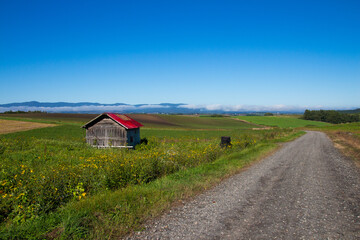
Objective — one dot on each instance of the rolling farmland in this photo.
(282, 121)
(52, 181)
(47, 169)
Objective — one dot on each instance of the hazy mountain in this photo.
(56, 104)
(166, 108)
(93, 107)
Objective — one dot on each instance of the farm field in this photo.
(54, 118)
(345, 127)
(8, 126)
(206, 122)
(49, 169)
(281, 121)
(148, 120)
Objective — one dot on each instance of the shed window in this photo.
(131, 138)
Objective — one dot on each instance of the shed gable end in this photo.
(106, 133)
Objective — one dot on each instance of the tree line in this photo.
(330, 116)
(13, 112)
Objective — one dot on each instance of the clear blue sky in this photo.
(298, 53)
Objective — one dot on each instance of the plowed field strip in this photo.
(9, 126)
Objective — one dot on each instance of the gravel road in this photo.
(306, 190)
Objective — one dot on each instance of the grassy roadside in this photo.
(112, 214)
(346, 138)
(348, 143)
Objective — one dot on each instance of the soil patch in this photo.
(150, 119)
(9, 126)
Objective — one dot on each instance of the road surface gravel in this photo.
(306, 190)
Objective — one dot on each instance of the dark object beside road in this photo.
(225, 142)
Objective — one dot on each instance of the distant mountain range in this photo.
(165, 108)
(80, 104)
(93, 107)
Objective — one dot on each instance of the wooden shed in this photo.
(113, 130)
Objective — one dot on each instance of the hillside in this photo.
(148, 120)
(281, 121)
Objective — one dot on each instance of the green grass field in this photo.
(350, 127)
(282, 121)
(53, 184)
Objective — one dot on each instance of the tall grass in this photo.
(51, 182)
(113, 213)
(41, 173)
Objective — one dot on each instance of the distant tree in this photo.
(268, 114)
(307, 114)
(330, 116)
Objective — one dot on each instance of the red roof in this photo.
(124, 120)
(121, 119)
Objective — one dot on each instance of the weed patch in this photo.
(53, 184)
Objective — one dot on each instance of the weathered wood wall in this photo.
(106, 133)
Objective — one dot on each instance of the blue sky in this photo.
(264, 53)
